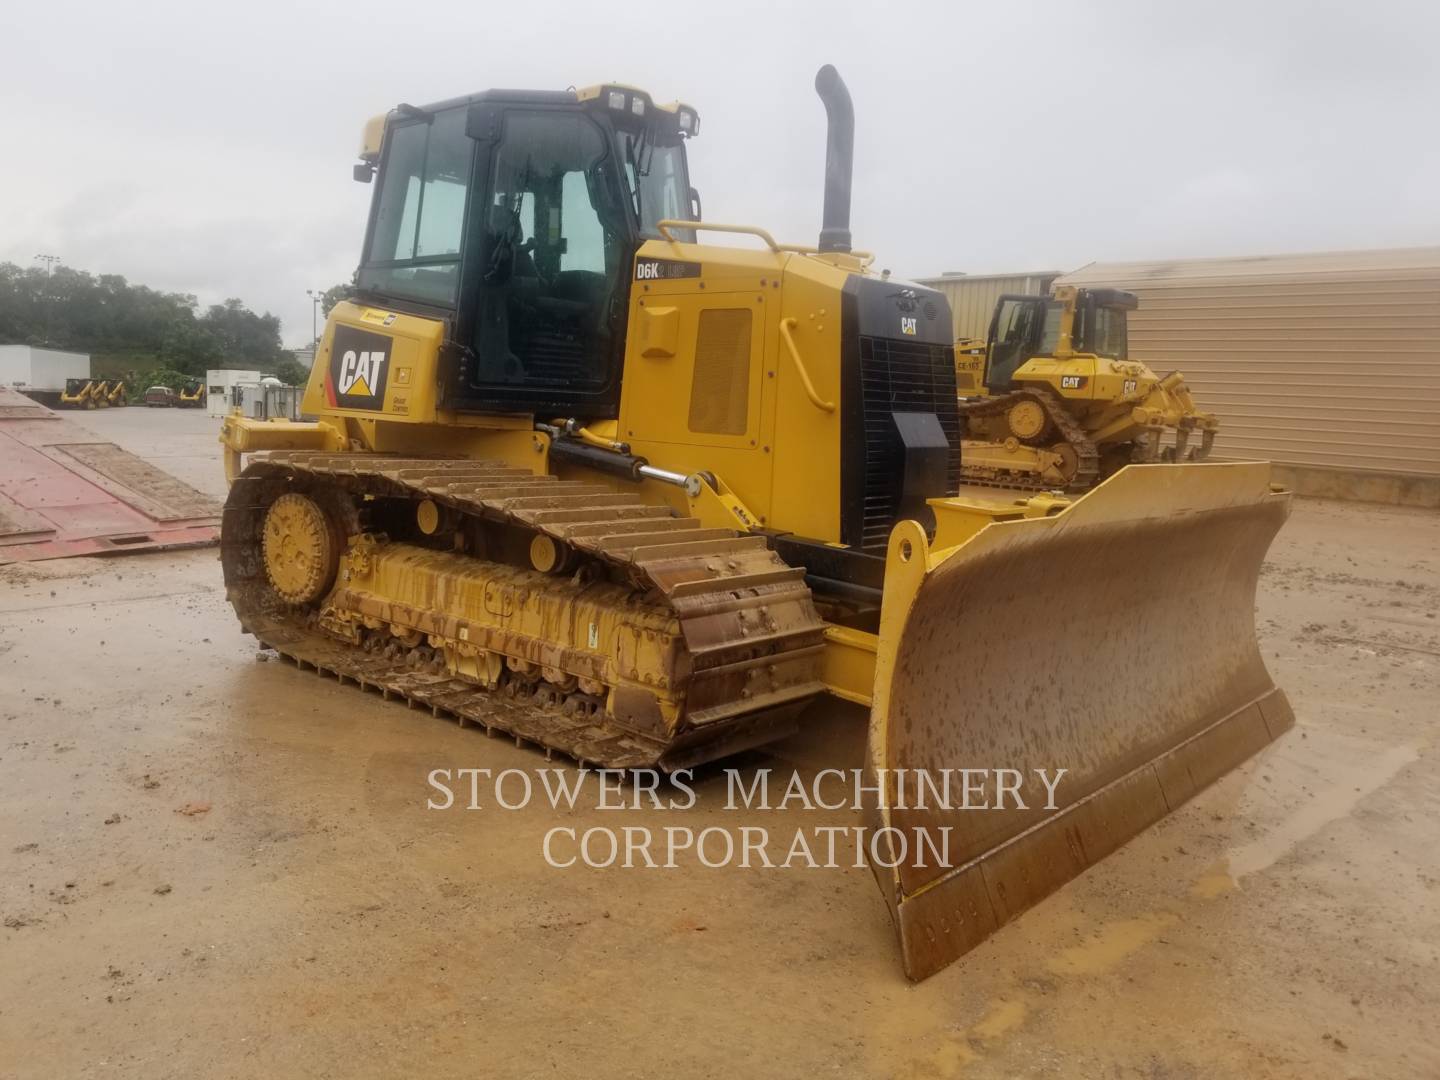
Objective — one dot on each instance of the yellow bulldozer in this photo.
(1052, 400)
(191, 396)
(577, 477)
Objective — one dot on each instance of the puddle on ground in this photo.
(1350, 782)
(1112, 944)
(1003, 1018)
(957, 1050)
(1216, 883)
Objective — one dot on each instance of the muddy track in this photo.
(751, 637)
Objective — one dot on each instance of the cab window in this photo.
(658, 183)
(1107, 333)
(1017, 330)
(1050, 330)
(415, 240)
(552, 256)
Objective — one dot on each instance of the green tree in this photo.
(138, 383)
(132, 327)
(333, 296)
(245, 338)
(290, 371)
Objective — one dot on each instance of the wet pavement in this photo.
(211, 865)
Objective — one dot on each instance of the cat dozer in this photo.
(581, 479)
(1052, 401)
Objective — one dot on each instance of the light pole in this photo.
(317, 297)
(49, 261)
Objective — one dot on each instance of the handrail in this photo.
(865, 257)
(786, 325)
(754, 230)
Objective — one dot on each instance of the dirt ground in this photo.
(213, 866)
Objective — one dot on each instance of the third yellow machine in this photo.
(580, 478)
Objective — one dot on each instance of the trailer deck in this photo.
(65, 492)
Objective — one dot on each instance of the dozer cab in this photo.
(641, 500)
(1052, 400)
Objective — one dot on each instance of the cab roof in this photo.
(374, 131)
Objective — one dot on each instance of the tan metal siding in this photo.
(1321, 360)
(972, 297)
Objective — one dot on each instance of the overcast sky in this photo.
(206, 147)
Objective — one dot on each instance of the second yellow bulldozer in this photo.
(578, 477)
(1052, 399)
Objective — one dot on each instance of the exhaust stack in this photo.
(839, 158)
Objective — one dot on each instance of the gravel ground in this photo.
(213, 866)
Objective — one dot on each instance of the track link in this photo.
(751, 635)
(1087, 469)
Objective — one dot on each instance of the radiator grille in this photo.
(720, 386)
(901, 376)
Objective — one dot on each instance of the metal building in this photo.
(1327, 364)
(972, 296)
(220, 384)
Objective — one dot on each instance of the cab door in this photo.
(553, 245)
(1015, 334)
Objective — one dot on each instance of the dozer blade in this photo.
(1114, 640)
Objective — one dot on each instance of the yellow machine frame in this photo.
(949, 631)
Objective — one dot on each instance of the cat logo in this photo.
(1128, 388)
(909, 325)
(1071, 382)
(359, 373)
(359, 367)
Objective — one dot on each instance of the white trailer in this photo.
(220, 384)
(40, 373)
